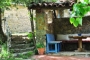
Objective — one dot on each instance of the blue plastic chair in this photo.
(52, 45)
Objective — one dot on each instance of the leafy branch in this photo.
(80, 9)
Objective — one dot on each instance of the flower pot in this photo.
(41, 51)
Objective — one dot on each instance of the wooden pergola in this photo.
(41, 16)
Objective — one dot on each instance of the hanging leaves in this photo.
(72, 20)
(76, 21)
(79, 10)
(85, 1)
(79, 20)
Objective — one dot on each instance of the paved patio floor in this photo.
(48, 57)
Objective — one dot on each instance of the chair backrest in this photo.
(50, 37)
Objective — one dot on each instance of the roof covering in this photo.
(51, 5)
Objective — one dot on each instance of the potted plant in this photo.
(40, 48)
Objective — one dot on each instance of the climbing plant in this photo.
(79, 10)
(3, 38)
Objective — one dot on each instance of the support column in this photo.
(40, 26)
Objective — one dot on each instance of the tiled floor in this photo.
(48, 57)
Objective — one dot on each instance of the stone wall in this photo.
(63, 26)
(18, 19)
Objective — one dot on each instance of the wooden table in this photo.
(79, 41)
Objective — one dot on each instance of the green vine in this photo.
(80, 9)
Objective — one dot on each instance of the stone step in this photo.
(20, 46)
(21, 50)
(17, 54)
(21, 37)
(20, 41)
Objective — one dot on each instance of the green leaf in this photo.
(75, 23)
(30, 35)
(79, 20)
(75, 7)
(82, 11)
(84, 1)
(87, 1)
(72, 20)
(34, 18)
(79, 11)
(88, 8)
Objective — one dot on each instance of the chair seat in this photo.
(54, 41)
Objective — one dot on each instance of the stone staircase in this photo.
(16, 43)
(21, 44)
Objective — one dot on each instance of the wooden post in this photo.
(80, 44)
(32, 26)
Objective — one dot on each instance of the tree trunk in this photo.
(3, 37)
(32, 27)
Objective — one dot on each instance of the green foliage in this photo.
(72, 20)
(40, 45)
(5, 3)
(76, 21)
(79, 20)
(24, 2)
(30, 53)
(53, 0)
(5, 54)
(27, 55)
(85, 1)
(10, 58)
(30, 35)
(34, 18)
(79, 11)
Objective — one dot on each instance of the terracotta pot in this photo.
(41, 51)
